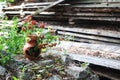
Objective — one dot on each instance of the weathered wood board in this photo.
(88, 34)
(109, 63)
(100, 47)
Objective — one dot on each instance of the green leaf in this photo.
(10, 0)
(36, 68)
(44, 50)
(14, 78)
(1, 0)
(85, 65)
(6, 18)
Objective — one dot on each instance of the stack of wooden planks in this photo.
(100, 10)
(88, 35)
(87, 12)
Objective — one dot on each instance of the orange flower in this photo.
(34, 37)
(42, 25)
(23, 29)
(29, 17)
(25, 21)
(29, 27)
(61, 39)
(40, 45)
(42, 36)
(34, 22)
(54, 44)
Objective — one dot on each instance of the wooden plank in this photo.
(45, 8)
(91, 46)
(91, 41)
(113, 0)
(12, 12)
(86, 1)
(114, 5)
(85, 14)
(115, 19)
(35, 12)
(38, 4)
(28, 12)
(93, 1)
(87, 18)
(99, 10)
(19, 7)
(97, 5)
(106, 72)
(29, 5)
(114, 34)
(51, 5)
(74, 17)
(109, 63)
(91, 14)
(117, 51)
(114, 64)
(89, 37)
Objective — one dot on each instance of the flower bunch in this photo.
(38, 34)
